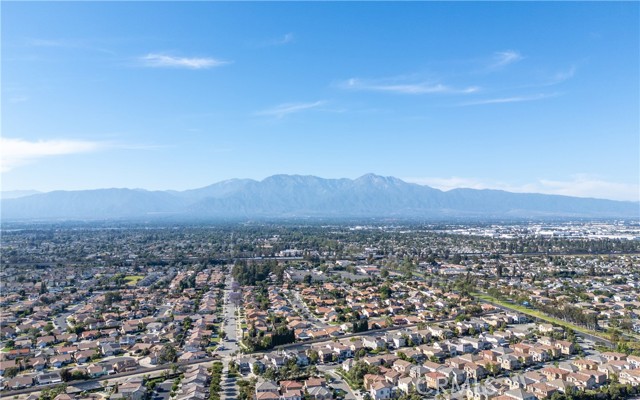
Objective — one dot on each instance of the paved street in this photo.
(61, 320)
(230, 344)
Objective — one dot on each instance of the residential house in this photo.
(374, 343)
(266, 386)
(436, 380)
(61, 360)
(542, 390)
(508, 362)
(582, 380)
(133, 390)
(630, 376)
(520, 394)
(565, 347)
(319, 393)
(49, 377)
(19, 382)
(381, 390)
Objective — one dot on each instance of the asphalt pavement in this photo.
(230, 344)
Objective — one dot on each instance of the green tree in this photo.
(48, 327)
(313, 356)
(167, 354)
(65, 374)
(10, 372)
(385, 291)
(307, 279)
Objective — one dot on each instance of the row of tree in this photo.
(216, 378)
(570, 313)
(250, 274)
(257, 340)
(361, 325)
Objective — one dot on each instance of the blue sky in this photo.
(534, 97)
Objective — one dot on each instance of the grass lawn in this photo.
(133, 280)
(541, 315)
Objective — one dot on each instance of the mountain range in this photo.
(295, 196)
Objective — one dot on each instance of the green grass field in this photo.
(133, 280)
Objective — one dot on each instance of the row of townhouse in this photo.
(194, 384)
(440, 365)
(311, 388)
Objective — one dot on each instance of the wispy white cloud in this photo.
(283, 110)
(157, 60)
(512, 99)
(274, 41)
(579, 185)
(16, 152)
(501, 59)
(547, 79)
(18, 99)
(583, 185)
(562, 76)
(285, 39)
(453, 182)
(406, 88)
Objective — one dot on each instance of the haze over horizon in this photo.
(443, 187)
(179, 96)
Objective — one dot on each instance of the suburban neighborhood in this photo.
(363, 313)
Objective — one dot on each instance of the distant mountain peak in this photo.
(380, 180)
(284, 196)
(374, 177)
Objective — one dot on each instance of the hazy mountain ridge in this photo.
(14, 194)
(282, 196)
